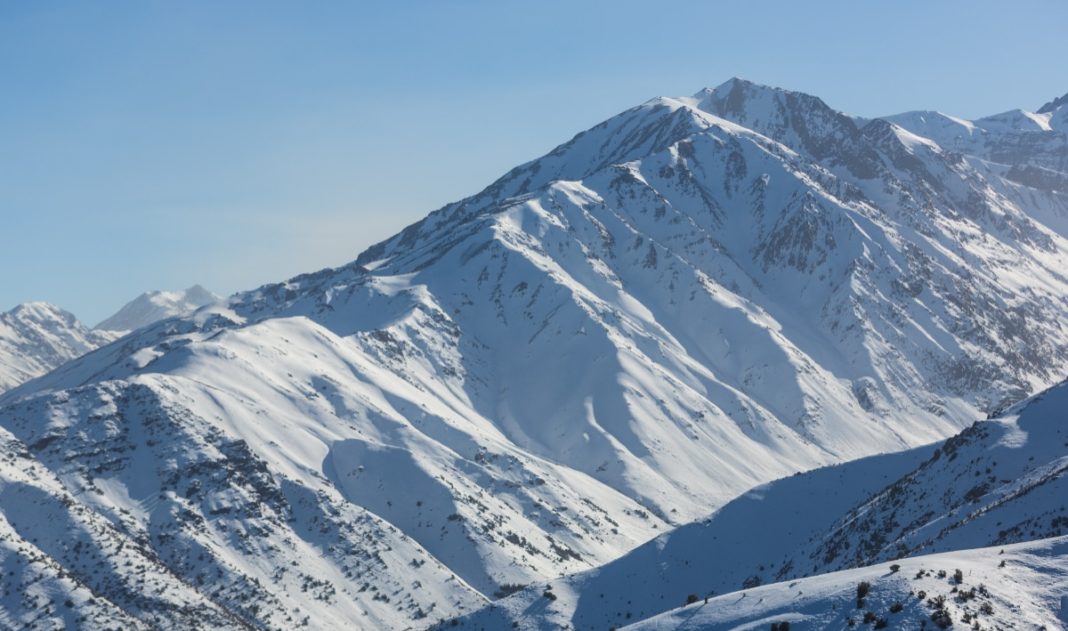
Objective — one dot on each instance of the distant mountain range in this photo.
(37, 337)
(602, 348)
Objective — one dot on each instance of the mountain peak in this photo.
(1053, 105)
(40, 311)
(153, 306)
(36, 337)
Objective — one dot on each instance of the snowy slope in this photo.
(36, 337)
(1000, 481)
(123, 491)
(1010, 587)
(153, 306)
(696, 296)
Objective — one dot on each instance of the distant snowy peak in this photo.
(1026, 148)
(36, 337)
(154, 306)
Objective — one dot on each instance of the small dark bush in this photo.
(941, 619)
(692, 598)
(958, 577)
(869, 617)
(894, 568)
(896, 607)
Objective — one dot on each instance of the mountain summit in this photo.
(694, 297)
(153, 306)
(36, 337)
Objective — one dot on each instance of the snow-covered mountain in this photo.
(1024, 154)
(36, 337)
(696, 296)
(154, 306)
(999, 482)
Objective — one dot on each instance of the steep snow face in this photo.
(1011, 587)
(154, 306)
(696, 296)
(36, 337)
(999, 482)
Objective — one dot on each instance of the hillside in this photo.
(1001, 481)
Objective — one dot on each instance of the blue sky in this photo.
(155, 144)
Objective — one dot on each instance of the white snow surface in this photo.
(697, 296)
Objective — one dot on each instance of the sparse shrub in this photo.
(692, 598)
(548, 594)
(507, 589)
(894, 568)
(958, 577)
(942, 619)
(881, 623)
(862, 590)
(896, 607)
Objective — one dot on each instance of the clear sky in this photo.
(154, 145)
